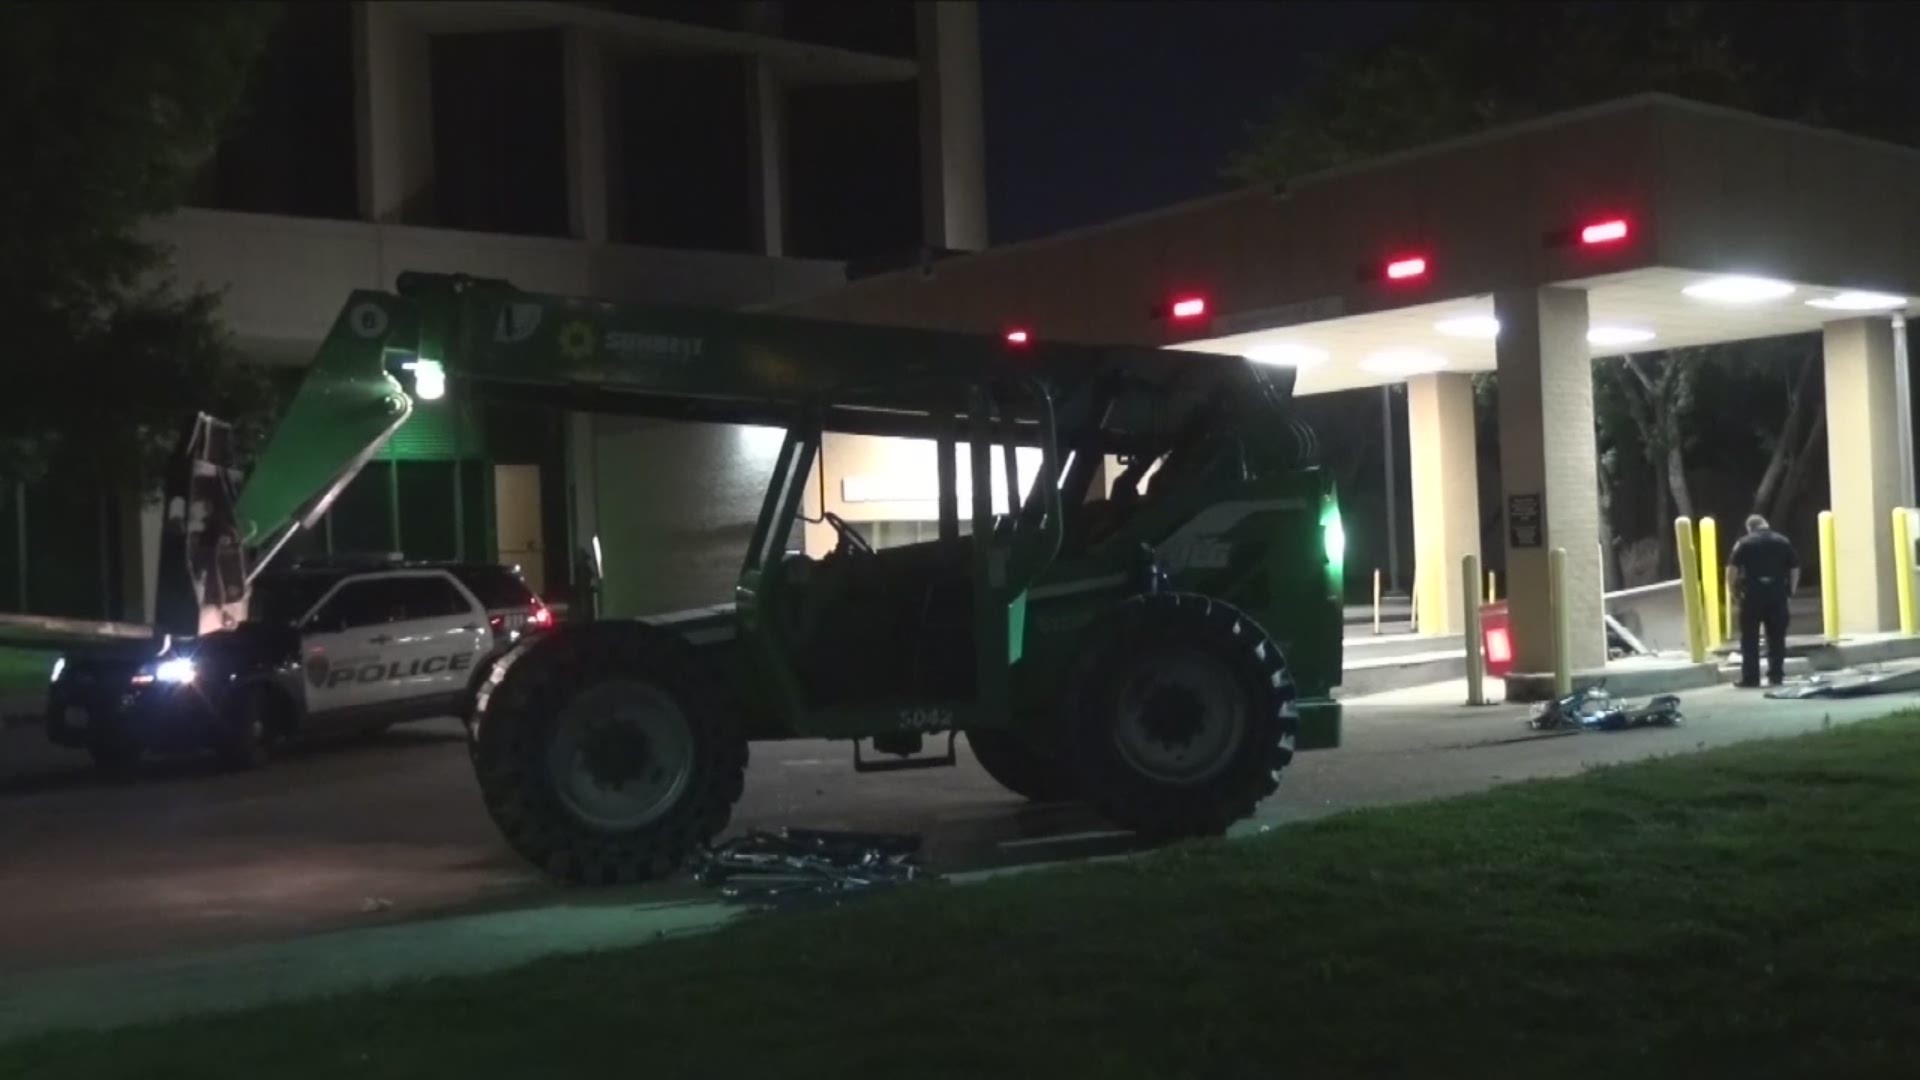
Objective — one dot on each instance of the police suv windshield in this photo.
(283, 598)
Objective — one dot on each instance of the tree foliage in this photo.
(1458, 68)
(111, 111)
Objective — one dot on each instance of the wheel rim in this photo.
(1180, 719)
(257, 719)
(249, 734)
(622, 755)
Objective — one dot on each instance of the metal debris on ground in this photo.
(791, 868)
(1594, 709)
(1848, 684)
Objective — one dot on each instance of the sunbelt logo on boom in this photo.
(578, 343)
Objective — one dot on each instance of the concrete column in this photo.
(140, 527)
(1446, 493)
(585, 68)
(766, 159)
(952, 146)
(1863, 463)
(1549, 477)
(393, 115)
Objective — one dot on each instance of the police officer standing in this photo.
(1762, 574)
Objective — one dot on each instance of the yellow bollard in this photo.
(1690, 588)
(1829, 579)
(1562, 646)
(1470, 628)
(1710, 591)
(1376, 601)
(1903, 566)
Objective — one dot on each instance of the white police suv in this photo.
(339, 646)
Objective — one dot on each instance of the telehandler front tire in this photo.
(244, 740)
(607, 753)
(1022, 769)
(1183, 716)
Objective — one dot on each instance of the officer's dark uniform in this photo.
(1766, 561)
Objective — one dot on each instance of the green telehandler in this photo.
(1156, 643)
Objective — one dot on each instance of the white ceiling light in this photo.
(1860, 301)
(1617, 335)
(1738, 290)
(1403, 362)
(1469, 326)
(1287, 355)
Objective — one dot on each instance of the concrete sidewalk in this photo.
(112, 995)
(1403, 746)
(221, 980)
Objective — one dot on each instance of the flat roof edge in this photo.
(1649, 101)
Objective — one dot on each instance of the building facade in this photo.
(715, 154)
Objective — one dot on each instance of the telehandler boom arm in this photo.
(484, 337)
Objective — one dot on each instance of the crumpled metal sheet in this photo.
(1594, 709)
(1847, 684)
(793, 868)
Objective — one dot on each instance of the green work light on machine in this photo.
(1333, 536)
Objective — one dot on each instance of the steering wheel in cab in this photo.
(847, 540)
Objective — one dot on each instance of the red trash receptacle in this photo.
(1496, 639)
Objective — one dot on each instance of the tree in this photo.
(1457, 68)
(1460, 68)
(1766, 421)
(1791, 456)
(112, 109)
(1660, 400)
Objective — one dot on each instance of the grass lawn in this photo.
(1751, 911)
(23, 672)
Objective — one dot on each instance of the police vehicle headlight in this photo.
(177, 671)
(59, 665)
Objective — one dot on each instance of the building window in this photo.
(680, 154)
(290, 148)
(882, 27)
(499, 133)
(853, 171)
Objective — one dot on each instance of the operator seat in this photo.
(797, 610)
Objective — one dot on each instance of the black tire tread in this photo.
(115, 759)
(1019, 768)
(1156, 809)
(513, 720)
(247, 727)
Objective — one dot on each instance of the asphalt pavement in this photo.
(354, 840)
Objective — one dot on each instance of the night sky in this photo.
(1098, 110)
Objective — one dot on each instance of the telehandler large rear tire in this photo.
(1183, 716)
(1021, 768)
(606, 753)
